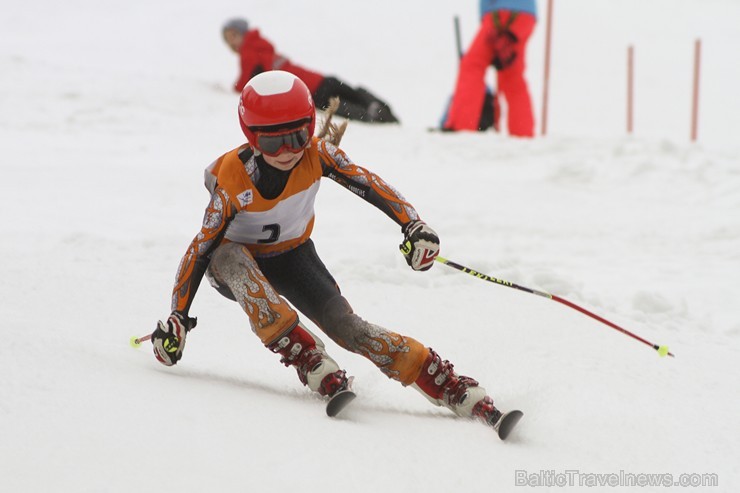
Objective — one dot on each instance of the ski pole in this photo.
(662, 350)
(457, 38)
(136, 341)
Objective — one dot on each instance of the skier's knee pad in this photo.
(234, 271)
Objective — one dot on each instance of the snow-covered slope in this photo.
(110, 111)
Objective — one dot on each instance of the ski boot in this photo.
(462, 395)
(316, 369)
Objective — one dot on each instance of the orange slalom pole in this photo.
(695, 98)
(630, 87)
(546, 81)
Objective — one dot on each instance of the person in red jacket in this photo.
(258, 55)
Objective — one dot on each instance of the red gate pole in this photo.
(630, 87)
(546, 82)
(695, 99)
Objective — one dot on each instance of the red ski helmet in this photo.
(273, 101)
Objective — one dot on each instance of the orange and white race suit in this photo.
(237, 212)
(273, 223)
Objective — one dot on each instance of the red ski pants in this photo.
(467, 101)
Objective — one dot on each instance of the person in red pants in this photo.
(501, 41)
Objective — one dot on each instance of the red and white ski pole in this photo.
(662, 350)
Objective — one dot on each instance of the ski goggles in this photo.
(274, 143)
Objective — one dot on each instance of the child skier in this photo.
(255, 248)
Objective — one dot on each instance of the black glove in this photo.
(168, 339)
(420, 245)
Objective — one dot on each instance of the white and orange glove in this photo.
(420, 245)
(168, 339)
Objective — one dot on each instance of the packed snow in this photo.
(110, 111)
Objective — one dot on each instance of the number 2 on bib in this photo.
(274, 230)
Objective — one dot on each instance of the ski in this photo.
(339, 401)
(507, 423)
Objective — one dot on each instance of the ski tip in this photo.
(338, 402)
(507, 423)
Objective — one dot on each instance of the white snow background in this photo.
(110, 111)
